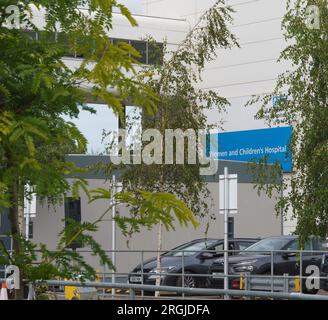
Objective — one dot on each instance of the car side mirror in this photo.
(287, 255)
(207, 255)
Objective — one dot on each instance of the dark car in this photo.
(256, 260)
(324, 271)
(196, 258)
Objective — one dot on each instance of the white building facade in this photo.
(239, 73)
(236, 74)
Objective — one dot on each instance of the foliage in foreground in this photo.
(36, 262)
(303, 105)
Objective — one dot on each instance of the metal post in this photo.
(104, 280)
(27, 219)
(301, 272)
(226, 242)
(247, 283)
(183, 274)
(142, 272)
(272, 271)
(27, 223)
(282, 227)
(113, 230)
(286, 283)
(132, 294)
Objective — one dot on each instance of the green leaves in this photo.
(100, 193)
(150, 208)
(37, 262)
(5, 125)
(305, 108)
(175, 79)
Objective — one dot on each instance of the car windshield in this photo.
(189, 249)
(266, 245)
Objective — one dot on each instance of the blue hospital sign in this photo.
(253, 145)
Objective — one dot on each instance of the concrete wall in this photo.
(256, 218)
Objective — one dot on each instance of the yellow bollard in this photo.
(241, 282)
(97, 275)
(297, 284)
(71, 292)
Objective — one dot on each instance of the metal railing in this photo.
(270, 285)
(189, 291)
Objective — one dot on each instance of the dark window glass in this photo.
(63, 41)
(85, 45)
(115, 41)
(191, 248)
(155, 53)
(244, 245)
(73, 212)
(265, 246)
(46, 36)
(30, 34)
(141, 47)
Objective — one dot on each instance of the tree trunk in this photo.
(159, 248)
(14, 218)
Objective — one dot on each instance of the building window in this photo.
(63, 41)
(151, 53)
(155, 53)
(31, 35)
(73, 212)
(47, 36)
(141, 47)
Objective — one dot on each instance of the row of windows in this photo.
(150, 53)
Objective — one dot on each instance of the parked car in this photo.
(256, 260)
(198, 255)
(324, 272)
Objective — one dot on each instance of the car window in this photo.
(293, 246)
(189, 249)
(311, 245)
(319, 245)
(219, 248)
(265, 246)
(244, 245)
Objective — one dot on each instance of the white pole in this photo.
(27, 219)
(113, 230)
(27, 223)
(226, 241)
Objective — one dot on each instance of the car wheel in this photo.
(189, 281)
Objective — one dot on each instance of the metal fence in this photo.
(133, 288)
(244, 284)
(297, 279)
